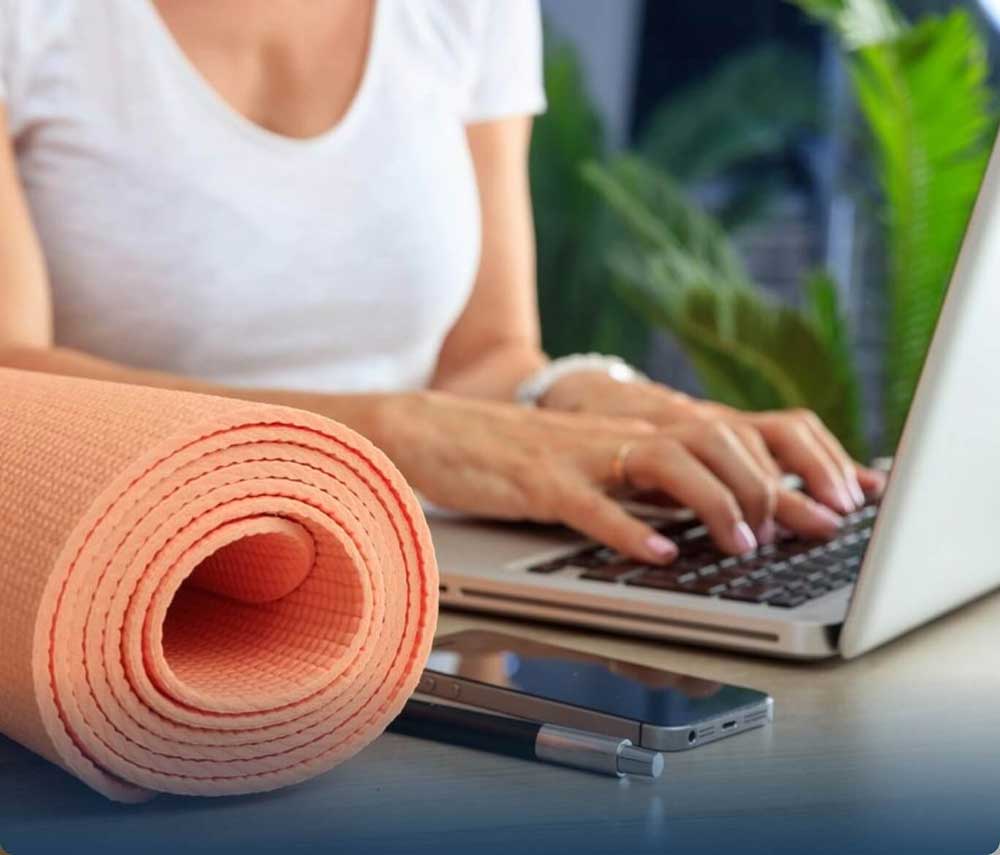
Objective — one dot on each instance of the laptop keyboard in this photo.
(784, 574)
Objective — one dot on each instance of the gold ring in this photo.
(619, 477)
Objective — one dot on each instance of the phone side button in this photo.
(427, 684)
(456, 690)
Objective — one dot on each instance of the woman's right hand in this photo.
(504, 461)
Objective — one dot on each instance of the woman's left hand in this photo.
(793, 441)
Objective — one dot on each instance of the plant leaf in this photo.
(859, 22)
(822, 305)
(748, 350)
(579, 309)
(927, 103)
(750, 107)
(654, 211)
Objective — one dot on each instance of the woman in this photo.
(325, 204)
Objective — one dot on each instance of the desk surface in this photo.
(898, 752)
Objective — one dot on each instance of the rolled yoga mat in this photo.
(200, 595)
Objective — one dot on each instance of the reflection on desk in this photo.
(897, 752)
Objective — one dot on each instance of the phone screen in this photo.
(636, 692)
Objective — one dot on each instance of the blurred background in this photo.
(762, 200)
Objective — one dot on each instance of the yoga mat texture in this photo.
(200, 595)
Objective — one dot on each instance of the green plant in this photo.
(675, 265)
(923, 94)
(748, 113)
(578, 308)
(923, 91)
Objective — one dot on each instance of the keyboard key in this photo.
(587, 558)
(660, 581)
(667, 582)
(788, 600)
(754, 593)
(612, 572)
(837, 581)
(695, 533)
(814, 591)
(733, 571)
(549, 566)
(686, 565)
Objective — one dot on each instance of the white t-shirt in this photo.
(181, 236)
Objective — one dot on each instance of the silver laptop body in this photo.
(935, 544)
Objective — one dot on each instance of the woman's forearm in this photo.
(494, 375)
(360, 412)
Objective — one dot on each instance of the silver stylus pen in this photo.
(529, 740)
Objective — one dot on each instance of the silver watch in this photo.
(535, 387)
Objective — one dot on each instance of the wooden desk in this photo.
(898, 752)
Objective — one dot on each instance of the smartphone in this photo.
(656, 709)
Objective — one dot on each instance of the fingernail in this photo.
(879, 481)
(856, 492)
(826, 517)
(744, 537)
(842, 500)
(661, 548)
(766, 532)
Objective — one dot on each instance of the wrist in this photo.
(537, 386)
(578, 392)
(596, 393)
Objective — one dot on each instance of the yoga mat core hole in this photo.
(259, 568)
(257, 622)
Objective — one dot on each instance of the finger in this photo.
(581, 506)
(806, 517)
(799, 451)
(839, 456)
(717, 446)
(668, 466)
(754, 442)
(872, 481)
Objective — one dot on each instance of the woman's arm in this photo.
(26, 320)
(481, 457)
(496, 342)
(25, 310)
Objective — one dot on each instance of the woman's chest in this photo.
(191, 228)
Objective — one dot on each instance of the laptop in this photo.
(930, 546)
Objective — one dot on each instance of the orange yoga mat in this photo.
(200, 595)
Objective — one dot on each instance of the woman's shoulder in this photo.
(461, 29)
(19, 18)
(27, 26)
(489, 49)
